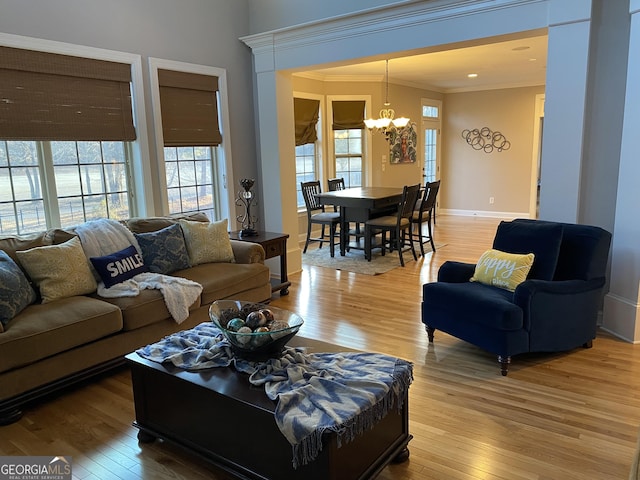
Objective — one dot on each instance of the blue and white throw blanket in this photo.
(346, 393)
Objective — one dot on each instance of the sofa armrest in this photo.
(559, 314)
(455, 272)
(247, 252)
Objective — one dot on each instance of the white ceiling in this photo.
(502, 64)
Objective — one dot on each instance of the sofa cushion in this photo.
(543, 239)
(502, 270)
(221, 280)
(59, 271)
(164, 251)
(152, 224)
(12, 244)
(119, 266)
(473, 302)
(207, 242)
(15, 290)
(40, 331)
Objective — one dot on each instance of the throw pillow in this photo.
(503, 270)
(15, 290)
(164, 251)
(207, 242)
(119, 266)
(59, 271)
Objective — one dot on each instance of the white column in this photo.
(565, 103)
(621, 306)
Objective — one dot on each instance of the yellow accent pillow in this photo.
(59, 271)
(503, 270)
(207, 242)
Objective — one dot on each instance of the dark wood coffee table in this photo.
(217, 414)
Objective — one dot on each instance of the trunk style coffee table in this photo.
(217, 414)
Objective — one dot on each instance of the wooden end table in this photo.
(274, 245)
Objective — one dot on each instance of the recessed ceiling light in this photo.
(472, 75)
(517, 49)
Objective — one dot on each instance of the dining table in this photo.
(359, 204)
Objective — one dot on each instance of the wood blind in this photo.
(306, 113)
(189, 107)
(348, 114)
(47, 96)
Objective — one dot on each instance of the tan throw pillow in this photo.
(207, 242)
(503, 270)
(59, 271)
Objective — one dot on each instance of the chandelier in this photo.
(386, 118)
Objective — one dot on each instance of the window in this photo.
(305, 168)
(61, 183)
(66, 139)
(431, 129)
(348, 152)
(190, 123)
(190, 179)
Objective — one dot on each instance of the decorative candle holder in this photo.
(246, 199)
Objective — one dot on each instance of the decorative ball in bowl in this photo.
(254, 330)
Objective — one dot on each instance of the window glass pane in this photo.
(4, 160)
(95, 206)
(8, 225)
(203, 173)
(26, 183)
(30, 216)
(202, 153)
(67, 181)
(187, 174)
(89, 152)
(185, 153)
(6, 195)
(71, 211)
(116, 177)
(171, 169)
(170, 153)
(342, 146)
(64, 153)
(92, 179)
(174, 200)
(118, 205)
(430, 111)
(22, 153)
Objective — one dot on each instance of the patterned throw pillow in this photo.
(207, 242)
(164, 251)
(503, 270)
(119, 266)
(15, 290)
(59, 271)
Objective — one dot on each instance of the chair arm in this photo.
(559, 314)
(455, 272)
(247, 252)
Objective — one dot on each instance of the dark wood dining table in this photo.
(359, 205)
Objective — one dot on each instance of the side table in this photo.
(274, 244)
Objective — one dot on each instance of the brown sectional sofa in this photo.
(49, 346)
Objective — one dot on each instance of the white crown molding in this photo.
(370, 22)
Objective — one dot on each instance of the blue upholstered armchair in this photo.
(554, 309)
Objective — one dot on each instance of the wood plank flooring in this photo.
(555, 416)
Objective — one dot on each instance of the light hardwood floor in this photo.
(555, 416)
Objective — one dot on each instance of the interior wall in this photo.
(269, 15)
(470, 177)
(192, 31)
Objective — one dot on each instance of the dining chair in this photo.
(424, 213)
(316, 215)
(356, 231)
(398, 225)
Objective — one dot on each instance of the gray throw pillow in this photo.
(164, 251)
(16, 292)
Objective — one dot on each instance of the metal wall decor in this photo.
(486, 140)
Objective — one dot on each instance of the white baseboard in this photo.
(482, 213)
